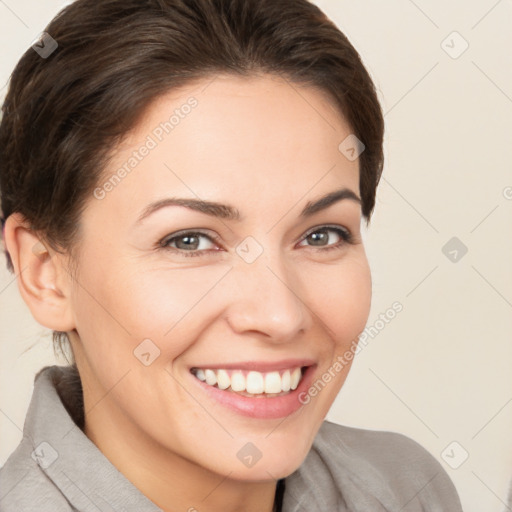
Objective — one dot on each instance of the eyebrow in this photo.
(228, 212)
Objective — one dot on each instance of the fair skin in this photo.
(263, 148)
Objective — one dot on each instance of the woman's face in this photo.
(253, 287)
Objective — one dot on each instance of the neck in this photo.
(167, 479)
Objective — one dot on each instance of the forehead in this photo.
(236, 135)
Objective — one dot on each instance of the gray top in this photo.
(56, 468)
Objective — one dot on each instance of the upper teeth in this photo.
(252, 382)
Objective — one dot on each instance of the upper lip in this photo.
(260, 366)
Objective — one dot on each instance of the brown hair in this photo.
(63, 114)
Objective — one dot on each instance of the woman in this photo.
(183, 183)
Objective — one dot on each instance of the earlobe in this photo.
(43, 282)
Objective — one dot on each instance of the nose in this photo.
(268, 299)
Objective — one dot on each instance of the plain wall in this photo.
(440, 370)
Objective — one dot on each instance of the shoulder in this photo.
(383, 449)
(387, 467)
(24, 487)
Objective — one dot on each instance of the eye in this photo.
(187, 243)
(196, 243)
(319, 237)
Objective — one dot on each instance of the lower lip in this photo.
(261, 407)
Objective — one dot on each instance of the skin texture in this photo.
(266, 147)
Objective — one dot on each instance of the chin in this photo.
(265, 470)
(270, 461)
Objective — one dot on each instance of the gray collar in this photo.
(76, 466)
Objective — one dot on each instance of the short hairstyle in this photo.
(63, 114)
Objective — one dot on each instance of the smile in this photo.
(251, 383)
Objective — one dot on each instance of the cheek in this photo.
(342, 298)
(162, 301)
(132, 302)
(172, 306)
(159, 301)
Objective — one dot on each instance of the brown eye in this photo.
(319, 237)
(187, 243)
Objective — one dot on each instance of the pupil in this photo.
(187, 240)
(317, 237)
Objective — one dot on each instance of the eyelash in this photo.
(345, 235)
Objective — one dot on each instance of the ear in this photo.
(43, 279)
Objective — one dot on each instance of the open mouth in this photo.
(252, 383)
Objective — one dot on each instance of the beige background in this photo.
(440, 371)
